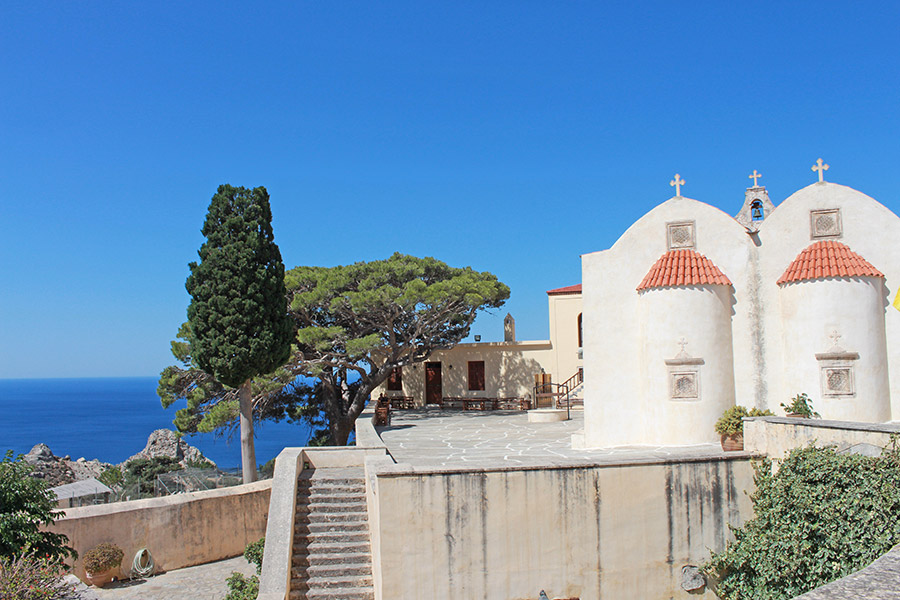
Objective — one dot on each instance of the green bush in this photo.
(26, 504)
(102, 557)
(247, 588)
(28, 577)
(822, 516)
(142, 472)
(111, 477)
(801, 405)
(731, 421)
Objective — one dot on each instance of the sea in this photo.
(110, 419)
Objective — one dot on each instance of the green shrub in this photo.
(28, 577)
(242, 588)
(821, 517)
(731, 421)
(254, 553)
(111, 477)
(247, 588)
(26, 504)
(142, 472)
(801, 405)
(102, 557)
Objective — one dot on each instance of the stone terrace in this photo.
(435, 438)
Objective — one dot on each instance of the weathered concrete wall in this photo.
(179, 531)
(776, 436)
(577, 530)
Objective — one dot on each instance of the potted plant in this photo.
(800, 407)
(101, 563)
(731, 426)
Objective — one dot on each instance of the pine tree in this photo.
(239, 323)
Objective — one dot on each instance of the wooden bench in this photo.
(402, 402)
(450, 403)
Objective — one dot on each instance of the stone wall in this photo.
(776, 436)
(179, 531)
(578, 530)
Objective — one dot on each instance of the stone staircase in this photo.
(332, 557)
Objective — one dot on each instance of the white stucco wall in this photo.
(775, 330)
(701, 315)
(855, 308)
(613, 341)
(870, 230)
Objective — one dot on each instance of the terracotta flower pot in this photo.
(100, 579)
(733, 442)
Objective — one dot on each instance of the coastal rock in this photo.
(164, 442)
(48, 467)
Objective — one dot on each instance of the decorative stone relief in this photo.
(825, 224)
(680, 235)
(836, 368)
(684, 375)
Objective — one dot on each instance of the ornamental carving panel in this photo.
(838, 381)
(680, 235)
(685, 385)
(825, 224)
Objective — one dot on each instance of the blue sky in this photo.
(509, 136)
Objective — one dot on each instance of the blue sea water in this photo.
(111, 418)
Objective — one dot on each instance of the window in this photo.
(395, 380)
(476, 375)
(579, 331)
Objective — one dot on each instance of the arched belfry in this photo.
(757, 205)
(509, 328)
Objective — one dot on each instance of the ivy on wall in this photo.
(823, 516)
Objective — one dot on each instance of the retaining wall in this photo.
(179, 531)
(621, 530)
(776, 436)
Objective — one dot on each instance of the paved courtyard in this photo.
(203, 582)
(435, 438)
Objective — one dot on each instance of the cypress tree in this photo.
(239, 322)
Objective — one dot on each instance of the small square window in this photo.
(838, 381)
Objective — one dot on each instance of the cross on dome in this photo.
(821, 167)
(754, 176)
(677, 183)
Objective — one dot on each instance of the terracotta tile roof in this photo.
(683, 267)
(828, 259)
(571, 289)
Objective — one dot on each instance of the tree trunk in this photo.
(248, 451)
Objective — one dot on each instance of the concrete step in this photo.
(334, 594)
(329, 537)
(330, 571)
(337, 517)
(330, 497)
(331, 526)
(350, 482)
(331, 507)
(332, 558)
(324, 583)
(304, 549)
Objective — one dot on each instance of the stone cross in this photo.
(821, 167)
(754, 177)
(835, 336)
(682, 342)
(677, 182)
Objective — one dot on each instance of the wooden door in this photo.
(433, 391)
